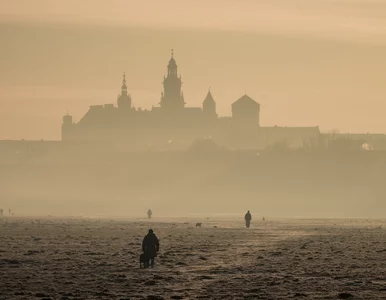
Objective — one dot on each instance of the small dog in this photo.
(143, 261)
(198, 224)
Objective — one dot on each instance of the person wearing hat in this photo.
(150, 246)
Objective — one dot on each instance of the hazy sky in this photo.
(308, 62)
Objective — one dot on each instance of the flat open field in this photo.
(87, 258)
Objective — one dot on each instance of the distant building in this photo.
(173, 124)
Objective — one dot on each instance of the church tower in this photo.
(172, 98)
(209, 106)
(124, 100)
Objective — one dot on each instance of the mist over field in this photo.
(181, 184)
(207, 149)
(308, 63)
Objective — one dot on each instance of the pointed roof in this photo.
(172, 61)
(245, 100)
(124, 82)
(209, 98)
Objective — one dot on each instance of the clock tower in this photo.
(172, 98)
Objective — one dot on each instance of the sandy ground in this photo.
(85, 258)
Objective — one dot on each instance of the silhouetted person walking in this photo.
(248, 218)
(1, 211)
(9, 210)
(149, 213)
(150, 246)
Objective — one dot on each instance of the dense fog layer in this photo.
(299, 183)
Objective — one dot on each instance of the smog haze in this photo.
(318, 63)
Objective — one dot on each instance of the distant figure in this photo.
(149, 213)
(150, 247)
(199, 224)
(248, 218)
(263, 219)
(10, 211)
(1, 211)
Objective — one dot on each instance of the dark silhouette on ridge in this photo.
(149, 213)
(248, 218)
(150, 247)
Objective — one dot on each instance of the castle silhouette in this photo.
(173, 124)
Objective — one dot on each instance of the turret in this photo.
(172, 98)
(209, 106)
(124, 100)
(246, 111)
(245, 123)
(67, 127)
(172, 66)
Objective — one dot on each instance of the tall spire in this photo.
(172, 66)
(124, 87)
(124, 79)
(124, 100)
(173, 97)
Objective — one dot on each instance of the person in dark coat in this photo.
(149, 213)
(150, 246)
(248, 218)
